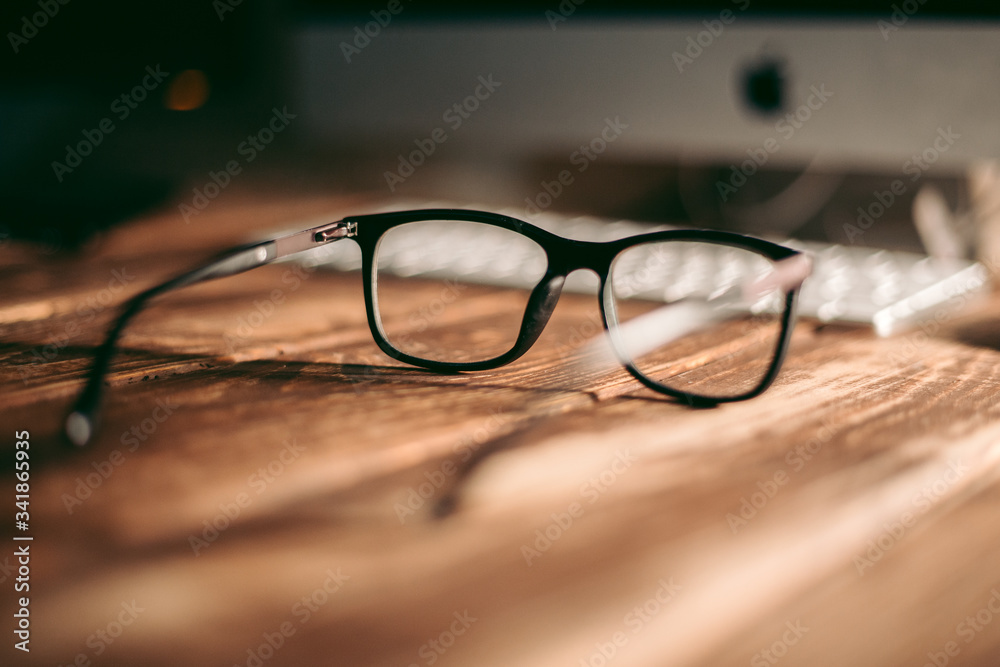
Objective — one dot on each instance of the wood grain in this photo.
(868, 478)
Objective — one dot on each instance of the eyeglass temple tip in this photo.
(81, 422)
(79, 428)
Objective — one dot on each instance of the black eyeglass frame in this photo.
(563, 256)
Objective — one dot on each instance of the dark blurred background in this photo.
(758, 116)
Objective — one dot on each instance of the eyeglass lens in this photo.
(428, 301)
(680, 312)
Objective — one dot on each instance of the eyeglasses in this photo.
(703, 316)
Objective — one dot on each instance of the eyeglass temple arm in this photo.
(82, 422)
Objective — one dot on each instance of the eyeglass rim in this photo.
(696, 399)
(563, 256)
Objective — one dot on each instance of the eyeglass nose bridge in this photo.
(541, 303)
(570, 256)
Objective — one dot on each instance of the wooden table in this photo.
(266, 494)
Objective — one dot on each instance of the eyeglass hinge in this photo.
(338, 230)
